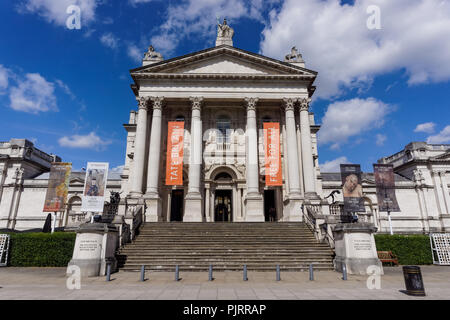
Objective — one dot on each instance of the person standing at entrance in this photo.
(272, 214)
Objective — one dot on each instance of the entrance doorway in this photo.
(176, 205)
(270, 209)
(222, 206)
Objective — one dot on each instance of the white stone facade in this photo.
(23, 185)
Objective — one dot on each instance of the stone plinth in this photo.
(293, 209)
(95, 247)
(254, 208)
(193, 208)
(153, 211)
(355, 246)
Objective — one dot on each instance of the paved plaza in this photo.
(50, 283)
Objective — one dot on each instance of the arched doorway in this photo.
(223, 200)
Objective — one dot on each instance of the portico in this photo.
(222, 96)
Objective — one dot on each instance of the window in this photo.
(224, 126)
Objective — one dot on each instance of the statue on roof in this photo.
(224, 34)
(294, 56)
(152, 55)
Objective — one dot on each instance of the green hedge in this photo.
(410, 249)
(41, 249)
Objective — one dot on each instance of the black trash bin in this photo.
(413, 281)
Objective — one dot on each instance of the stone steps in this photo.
(227, 246)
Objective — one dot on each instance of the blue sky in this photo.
(378, 89)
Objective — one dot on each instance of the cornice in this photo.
(222, 76)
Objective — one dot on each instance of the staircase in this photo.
(227, 246)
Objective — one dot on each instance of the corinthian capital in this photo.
(289, 104)
(157, 102)
(304, 104)
(196, 103)
(143, 102)
(251, 103)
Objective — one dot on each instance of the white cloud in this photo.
(441, 137)
(4, 79)
(65, 88)
(118, 169)
(380, 139)
(333, 165)
(54, 11)
(136, 2)
(427, 127)
(134, 53)
(109, 40)
(335, 41)
(89, 141)
(344, 119)
(199, 18)
(34, 95)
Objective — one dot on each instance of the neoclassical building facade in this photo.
(223, 96)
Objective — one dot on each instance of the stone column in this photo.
(307, 158)
(139, 149)
(292, 210)
(291, 138)
(253, 201)
(437, 189)
(445, 190)
(153, 212)
(193, 207)
(207, 204)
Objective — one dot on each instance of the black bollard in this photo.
(108, 272)
(210, 275)
(344, 272)
(177, 273)
(143, 273)
(413, 281)
(245, 273)
(311, 272)
(278, 272)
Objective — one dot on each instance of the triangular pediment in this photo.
(223, 64)
(444, 156)
(223, 60)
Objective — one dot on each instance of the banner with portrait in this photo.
(352, 188)
(58, 187)
(174, 158)
(385, 184)
(272, 154)
(93, 199)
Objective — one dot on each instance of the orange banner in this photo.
(273, 155)
(174, 164)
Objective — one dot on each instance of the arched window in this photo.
(223, 124)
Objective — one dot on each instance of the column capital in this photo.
(289, 103)
(143, 102)
(157, 102)
(196, 103)
(304, 104)
(251, 103)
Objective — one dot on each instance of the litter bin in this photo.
(413, 281)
